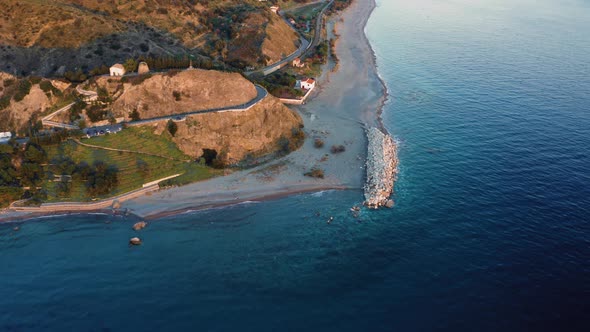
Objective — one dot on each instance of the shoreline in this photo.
(331, 107)
(386, 94)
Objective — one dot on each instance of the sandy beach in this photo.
(346, 101)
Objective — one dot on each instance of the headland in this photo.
(338, 114)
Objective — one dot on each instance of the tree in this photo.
(102, 179)
(142, 167)
(172, 127)
(7, 171)
(134, 115)
(130, 65)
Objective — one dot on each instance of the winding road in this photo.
(261, 93)
(301, 51)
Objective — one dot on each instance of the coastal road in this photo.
(303, 47)
(261, 94)
(318, 26)
(301, 51)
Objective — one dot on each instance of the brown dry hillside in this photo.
(255, 132)
(236, 135)
(277, 30)
(25, 99)
(51, 36)
(185, 91)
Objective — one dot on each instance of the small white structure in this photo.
(292, 21)
(117, 70)
(275, 9)
(298, 63)
(142, 68)
(307, 84)
(5, 136)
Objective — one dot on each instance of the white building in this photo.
(275, 9)
(307, 84)
(117, 70)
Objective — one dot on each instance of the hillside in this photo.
(23, 100)
(238, 134)
(156, 95)
(267, 127)
(50, 37)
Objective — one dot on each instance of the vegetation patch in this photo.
(338, 148)
(281, 84)
(318, 143)
(315, 173)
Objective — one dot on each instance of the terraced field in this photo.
(134, 168)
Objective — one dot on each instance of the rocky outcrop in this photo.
(237, 135)
(381, 168)
(139, 225)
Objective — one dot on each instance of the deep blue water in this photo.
(490, 101)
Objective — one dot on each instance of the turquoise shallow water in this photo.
(490, 102)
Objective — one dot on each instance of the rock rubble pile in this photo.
(381, 168)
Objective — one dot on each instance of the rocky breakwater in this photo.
(381, 169)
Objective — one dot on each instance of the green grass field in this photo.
(140, 139)
(130, 177)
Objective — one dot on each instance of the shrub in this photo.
(4, 102)
(46, 86)
(284, 144)
(76, 77)
(318, 143)
(315, 173)
(134, 115)
(96, 113)
(176, 95)
(23, 89)
(35, 79)
(172, 127)
(76, 109)
(208, 156)
(136, 80)
(9, 82)
(338, 148)
(9, 195)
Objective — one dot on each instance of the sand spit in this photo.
(381, 166)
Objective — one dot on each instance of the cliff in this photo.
(239, 135)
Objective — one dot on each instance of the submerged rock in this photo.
(139, 225)
(135, 241)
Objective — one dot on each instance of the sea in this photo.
(490, 103)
